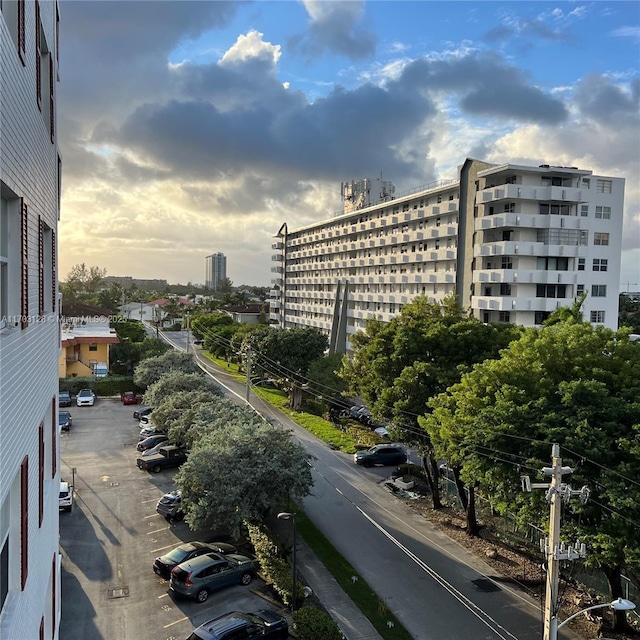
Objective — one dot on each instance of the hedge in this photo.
(107, 386)
(310, 623)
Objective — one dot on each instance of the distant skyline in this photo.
(190, 125)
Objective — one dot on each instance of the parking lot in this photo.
(112, 535)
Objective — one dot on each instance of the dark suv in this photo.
(380, 454)
(262, 625)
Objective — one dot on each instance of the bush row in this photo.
(310, 623)
(109, 386)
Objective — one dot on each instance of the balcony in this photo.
(529, 192)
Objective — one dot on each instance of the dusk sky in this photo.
(188, 128)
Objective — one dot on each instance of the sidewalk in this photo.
(352, 622)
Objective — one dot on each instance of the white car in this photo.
(65, 501)
(85, 398)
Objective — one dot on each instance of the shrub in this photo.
(274, 567)
(310, 623)
(109, 386)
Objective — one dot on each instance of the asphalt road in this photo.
(110, 539)
(436, 588)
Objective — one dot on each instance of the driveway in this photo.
(110, 539)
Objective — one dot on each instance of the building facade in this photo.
(29, 329)
(215, 270)
(511, 242)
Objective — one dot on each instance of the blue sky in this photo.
(189, 128)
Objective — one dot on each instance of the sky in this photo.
(191, 128)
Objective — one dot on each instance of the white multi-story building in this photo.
(512, 242)
(215, 270)
(29, 328)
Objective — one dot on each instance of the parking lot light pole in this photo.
(285, 515)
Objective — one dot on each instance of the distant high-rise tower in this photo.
(215, 270)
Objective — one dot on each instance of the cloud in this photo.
(626, 32)
(598, 98)
(335, 27)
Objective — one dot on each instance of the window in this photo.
(551, 291)
(600, 264)
(24, 521)
(603, 212)
(601, 239)
(553, 264)
(586, 183)
(24, 264)
(40, 473)
(579, 289)
(40, 266)
(599, 290)
(93, 347)
(505, 289)
(554, 209)
(551, 181)
(584, 210)
(22, 36)
(38, 57)
(541, 316)
(597, 316)
(487, 291)
(506, 263)
(54, 437)
(581, 262)
(485, 317)
(510, 207)
(507, 236)
(504, 316)
(570, 237)
(603, 186)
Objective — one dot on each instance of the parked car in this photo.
(198, 577)
(85, 398)
(64, 420)
(380, 454)
(148, 431)
(129, 397)
(65, 501)
(142, 411)
(151, 441)
(64, 399)
(263, 625)
(167, 456)
(163, 565)
(170, 506)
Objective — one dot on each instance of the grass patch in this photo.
(353, 585)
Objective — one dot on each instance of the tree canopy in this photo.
(150, 370)
(175, 381)
(241, 472)
(568, 383)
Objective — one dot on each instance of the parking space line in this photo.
(153, 515)
(157, 530)
(166, 626)
(150, 500)
(165, 595)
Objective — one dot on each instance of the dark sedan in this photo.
(141, 412)
(165, 564)
(260, 625)
(151, 441)
(380, 454)
(64, 420)
(64, 399)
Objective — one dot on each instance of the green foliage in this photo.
(175, 381)
(152, 347)
(273, 565)
(253, 469)
(82, 284)
(568, 383)
(398, 366)
(129, 330)
(324, 379)
(629, 313)
(105, 387)
(150, 370)
(310, 623)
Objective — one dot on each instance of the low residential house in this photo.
(85, 340)
(247, 313)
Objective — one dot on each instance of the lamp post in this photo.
(285, 515)
(619, 604)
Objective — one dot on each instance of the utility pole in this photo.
(554, 550)
(248, 375)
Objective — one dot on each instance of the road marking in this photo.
(166, 595)
(149, 533)
(153, 515)
(166, 626)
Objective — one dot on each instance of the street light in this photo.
(618, 605)
(285, 515)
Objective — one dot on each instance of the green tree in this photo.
(176, 381)
(398, 366)
(129, 330)
(569, 383)
(324, 379)
(151, 369)
(82, 283)
(287, 354)
(253, 469)
(152, 347)
(629, 313)
(178, 411)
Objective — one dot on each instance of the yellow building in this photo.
(83, 347)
